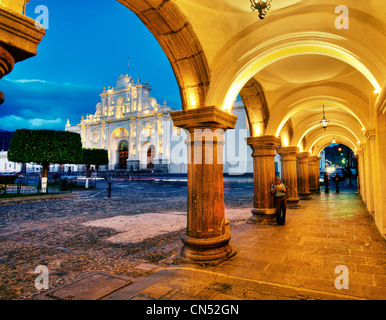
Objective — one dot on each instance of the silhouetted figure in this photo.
(326, 183)
(336, 180)
(349, 176)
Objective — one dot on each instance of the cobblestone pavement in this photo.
(53, 233)
(295, 261)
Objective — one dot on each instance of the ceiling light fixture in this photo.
(324, 121)
(262, 6)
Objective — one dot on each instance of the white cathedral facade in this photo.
(138, 132)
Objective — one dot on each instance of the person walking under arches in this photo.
(278, 191)
(326, 183)
(336, 180)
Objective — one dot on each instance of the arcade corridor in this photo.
(312, 72)
(295, 261)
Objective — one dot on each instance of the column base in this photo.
(305, 196)
(206, 251)
(263, 216)
(293, 203)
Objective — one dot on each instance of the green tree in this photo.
(96, 157)
(45, 147)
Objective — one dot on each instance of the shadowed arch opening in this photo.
(326, 141)
(256, 106)
(178, 40)
(298, 107)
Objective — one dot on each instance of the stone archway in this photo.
(147, 155)
(150, 155)
(252, 95)
(180, 43)
(119, 147)
(211, 71)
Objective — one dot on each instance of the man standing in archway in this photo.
(326, 183)
(278, 191)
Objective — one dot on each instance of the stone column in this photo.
(369, 169)
(362, 171)
(263, 177)
(289, 174)
(303, 176)
(19, 37)
(313, 172)
(208, 233)
(318, 173)
(359, 159)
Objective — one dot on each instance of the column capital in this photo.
(288, 153)
(19, 34)
(19, 37)
(204, 117)
(264, 141)
(370, 135)
(314, 158)
(303, 156)
(263, 145)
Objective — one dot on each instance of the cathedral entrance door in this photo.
(150, 157)
(123, 155)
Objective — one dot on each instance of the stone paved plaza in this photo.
(55, 233)
(80, 236)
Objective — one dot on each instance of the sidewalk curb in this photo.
(39, 198)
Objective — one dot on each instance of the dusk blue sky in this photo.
(86, 47)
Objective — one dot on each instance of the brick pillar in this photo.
(303, 176)
(208, 233)
(263, 177)
(289, 174)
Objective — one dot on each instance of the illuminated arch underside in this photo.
(257, 63)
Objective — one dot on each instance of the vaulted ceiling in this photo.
(294, 61)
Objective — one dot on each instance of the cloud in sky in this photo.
(41, 104)
(76, 60)
(13, 122)
(36, 103)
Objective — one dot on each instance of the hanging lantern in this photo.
(262, 6)
(324, 121)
